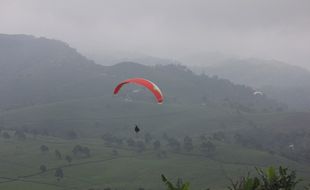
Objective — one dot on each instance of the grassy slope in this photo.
(129, 169)
(95, 116)
(100, 114)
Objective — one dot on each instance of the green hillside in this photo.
(115, 114)
(278, 80)
(92, 118)
(20, 162)
(47, 71)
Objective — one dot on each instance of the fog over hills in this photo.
(235, 83)
(52, 96)
(278, 80)
(281, 81)
(39, 70)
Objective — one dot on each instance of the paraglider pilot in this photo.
(137, 129)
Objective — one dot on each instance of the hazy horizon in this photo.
(170, 29)
(186, 94)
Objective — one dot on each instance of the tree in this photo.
(20, 134)
(34, 132)
(162, 154)
(107, 137)
(77, 150)
(59, 174)
(45, 132)
(156, 145)
(165, 136)
(208, 148)
(140, 146)
(174, 144)
(43, 168)
(71, 134)
(109, 140)
(203, 137)
(281, 179)
(58, 155)
(271, 179)
(114, 152)
(118, 141)
(86, 151)
(220, 136)
(245, 183)
(188, 144)
(178, 186)
(6, 135)
(68, 158)
(44, 148)
(131, 142)
(148, 138)
(80, 151)
(248, 140)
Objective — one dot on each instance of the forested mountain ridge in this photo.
(39, 70)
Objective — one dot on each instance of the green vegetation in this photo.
(106, 153)
(23, 163)
(268, 180)
(179, 186)
(281, 81)
(271, 179)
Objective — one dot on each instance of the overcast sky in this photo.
(270, 29)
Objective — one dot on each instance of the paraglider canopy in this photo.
(143, 82)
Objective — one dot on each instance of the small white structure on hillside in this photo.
(291, 146)
(258, 93)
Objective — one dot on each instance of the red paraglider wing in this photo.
(143, 82)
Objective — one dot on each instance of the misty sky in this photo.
(270, 29)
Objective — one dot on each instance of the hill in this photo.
(21, 160)
(109, 58)
(47, 71)
(280, 81)
(242, 140)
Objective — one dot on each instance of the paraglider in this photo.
(147, 84)
(143, 82)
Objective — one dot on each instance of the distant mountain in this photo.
(278, 80)
(109, 58)
(281, 81)
(203, 59)
(39, 70)
(260, 73)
